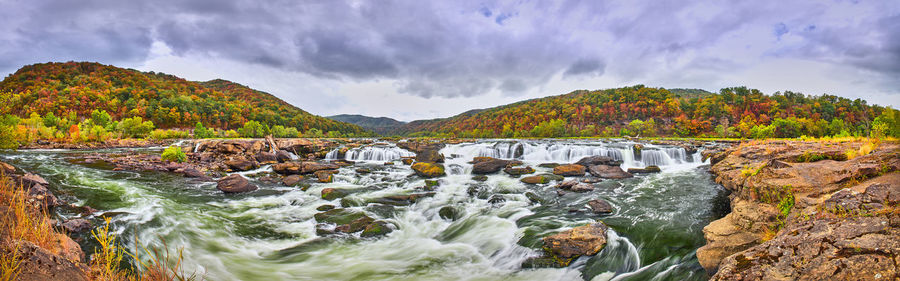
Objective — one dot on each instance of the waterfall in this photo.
(370, 153)
(570, 152)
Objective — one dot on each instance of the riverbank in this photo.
(806, 210)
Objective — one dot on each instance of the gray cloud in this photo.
(459, 48)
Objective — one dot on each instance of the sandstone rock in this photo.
(407, 161)
(282, 156)
(487, 165)
(240, 164)
(266, 158)
(609, 172)
(548, 165)
(377, 228)
(234, 184)
(598, 160)
(600, 206)
(76, 225)
(539, 179)
(325, 176)
(333, 193)
(38, 264)
(480, 178)
(429, 156)
(570, 170)
(292, 180)
(586, 240)
(31, 179)
(428, 170)
(646, 170)
(516, 171)
(313, 167)
(287, 168)
(582, 187)
(7, 168)
(42, 194)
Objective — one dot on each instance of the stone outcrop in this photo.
(428, 170)
(806, 211)
(235, 184)
(586, 240)
(570, 170)
(609, 172)
(488, 165)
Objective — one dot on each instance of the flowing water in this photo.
(269, 234)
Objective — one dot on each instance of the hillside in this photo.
(379, 125)
(646, 111)
(75, 89)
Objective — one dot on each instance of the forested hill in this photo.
(78, 88)
(380, 125)
(646, 111)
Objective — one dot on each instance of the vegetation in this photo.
(80, 101)
(650, 112)
(174, 154)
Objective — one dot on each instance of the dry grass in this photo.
(107, 261)
(21, 220)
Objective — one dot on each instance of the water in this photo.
(269, 234)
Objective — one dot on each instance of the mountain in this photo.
(380, 125)
(78, 88)
(647, 111)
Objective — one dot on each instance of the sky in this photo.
(413, 60)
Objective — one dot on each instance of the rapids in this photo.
(270, 234)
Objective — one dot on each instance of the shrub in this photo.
(135, 127)
(168, 134)
(174, 153)
(202, 132)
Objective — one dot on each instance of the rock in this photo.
(515, 171)
(480, 178)
(291, 180)
(240, 164)
(542, 178)
(7, 169)
(76, 225)
(600, 206)
(591, 180)
(582, 187)
(338, 216)
(407, 161)
(377, 228)
(487, 165)
(598, 160)
(333, 193)
(193, 173)
(496, 199)
(325, 207)
(647, 170)
(566, 184)
(355, 225)
(388, 163)
(38, 264)
(570, 170)
(548, 165)
(282, 156)
(32, 179)
(313, 167)
(428, 170)
(448, 213)
(287, 168)
(266, 158)
(609, 172)
(234, 184)
(429, 156)
(325, 176)
(586, 240)
(42, 194)
(363, 171)
(533, 197)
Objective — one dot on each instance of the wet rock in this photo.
(570, 170)
(448, 213)
(586, 240)
(407, 161)
(480, 178)
(240, 164)
(333, 193)
(291, 180)
(566, 184)
(646, 170)
(348, 202)
(496, 199)
(591, 180)
(429, 156)
(533, 197)
(76, 225)
(609, 172)
(582, 187)
(355, 225)
(42, 194)
(266, 158)
(325, 176)
(542, 178)
(428, 170)
(600, 206)
(31, 179)
(598, 160)
(282, 156)
(325, 207)
(377, 228)
(432, 183)
(548, 165)
(402, 200)
(338, 216)
(388, 163)
(541, 262)
(193, 173)
(363, 171)
(382, 210)
(234, 184)
(313, 167)
(516, 171)
(487, 165)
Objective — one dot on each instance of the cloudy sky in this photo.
(426, 59)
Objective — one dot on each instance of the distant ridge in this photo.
(379, 125)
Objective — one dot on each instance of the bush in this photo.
(135, 127)
(175, 154)
(202, 132)
(253, 129)
(168, 134)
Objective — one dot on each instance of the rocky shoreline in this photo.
(806, 211)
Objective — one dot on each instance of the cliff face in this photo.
(805, 210)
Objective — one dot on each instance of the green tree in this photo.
(202, 132)
(253, 129)
(101, 118)
(173, 154)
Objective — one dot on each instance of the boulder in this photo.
(377, 228)
(234, 184)
(600, 206)
(76, 225)
(542, 178)
(312, 167)
(570, 170)
(582, 187)
(480, 178)
(282, 156)
(291, 180)
(646, 170)
(31, 179)
(487, 165)
(429, 156)
(40, 264)
(598, 160)
(192, 173)
(428, 170)
(240, 164)
(516, 171)
(325, 176)
(609, 172)
(42, 194)
(548, 165)
(7, 168)
(586, 240)
(266, 158)
(407, 161)
(287, 168)
(333, 193)
(325, 207)
(448, 213)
